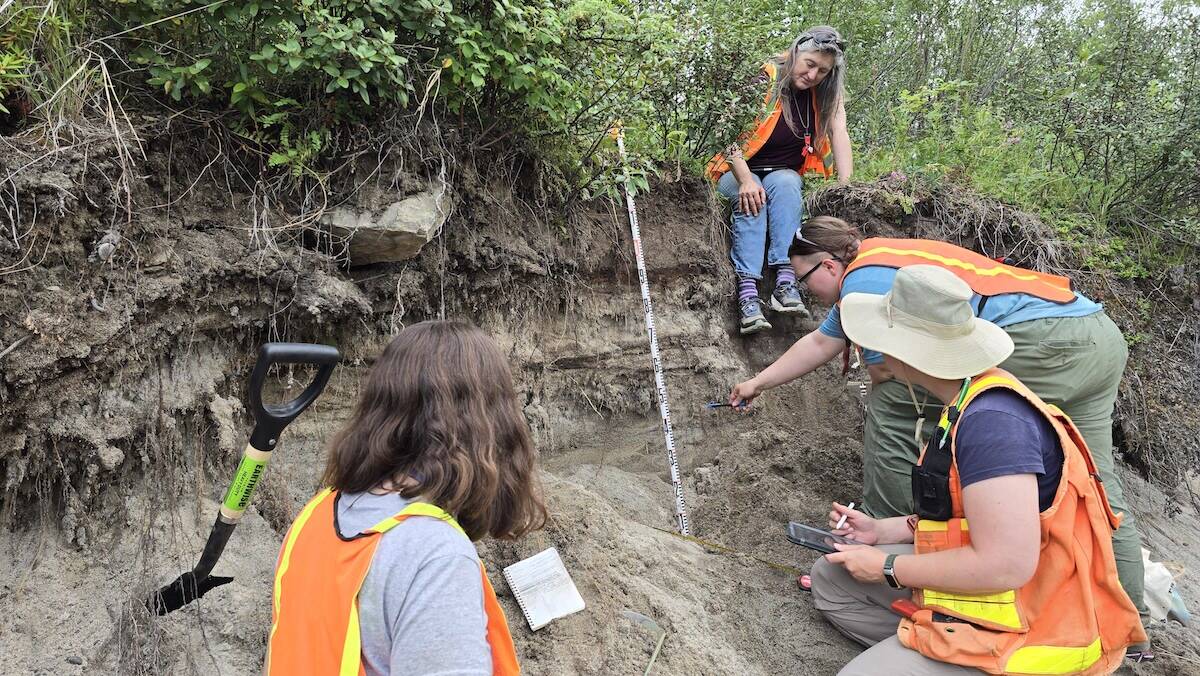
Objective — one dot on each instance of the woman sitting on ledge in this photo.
(802, 132)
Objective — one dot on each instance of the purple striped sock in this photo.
(784, 274)
(747, 288)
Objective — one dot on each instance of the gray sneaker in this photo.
(786, 298)
(753, 320)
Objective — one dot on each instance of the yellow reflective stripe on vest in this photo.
(972, 390)
(417, 509)
(352, 646)
(951, 262)
(285, 559)
(999, 609)
(977, 385)
(1045, 659)
(939, 526)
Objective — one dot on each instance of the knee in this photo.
(826, 577)
(788, 176)
(784, 179)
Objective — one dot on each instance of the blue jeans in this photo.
(772, 229)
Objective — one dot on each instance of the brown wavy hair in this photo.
(827, 234)
(438, 417)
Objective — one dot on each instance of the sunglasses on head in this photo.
(825, 40)
(803, 240)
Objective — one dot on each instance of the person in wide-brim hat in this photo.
(1065, 348)
(1016, 469)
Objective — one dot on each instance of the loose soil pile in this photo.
(122, 418)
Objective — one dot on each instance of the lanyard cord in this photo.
(952, 414)
(808, 111)
(962, 393)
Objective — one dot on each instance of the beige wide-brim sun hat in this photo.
(926, 321)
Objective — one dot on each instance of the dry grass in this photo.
(946, 212)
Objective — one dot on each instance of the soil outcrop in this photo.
(130, 314)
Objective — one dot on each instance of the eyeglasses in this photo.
(801, 278)
(801, 239)
(814, 269)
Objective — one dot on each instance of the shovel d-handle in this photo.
(270, 419)
(269, 422)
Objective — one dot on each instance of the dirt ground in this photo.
(122, 423)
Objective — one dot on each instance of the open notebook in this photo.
(543, 588)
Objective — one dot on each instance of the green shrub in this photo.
(297, 70)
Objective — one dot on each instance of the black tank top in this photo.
(784, 148)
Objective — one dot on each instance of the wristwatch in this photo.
(889, 572)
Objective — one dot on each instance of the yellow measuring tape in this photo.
(730, 550)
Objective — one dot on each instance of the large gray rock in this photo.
(377, 227)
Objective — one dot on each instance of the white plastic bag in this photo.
(1161, 595)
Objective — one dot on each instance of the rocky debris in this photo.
(105, 247)
(376, 227)
(110, 457)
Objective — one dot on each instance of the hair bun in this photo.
(853, 246)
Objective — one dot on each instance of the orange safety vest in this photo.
(315, 626)
(819, 163)
(984, 275)
(1072, 617)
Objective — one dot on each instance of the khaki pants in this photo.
(1073, 362)
(863, 613)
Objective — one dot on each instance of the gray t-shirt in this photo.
(421, 606)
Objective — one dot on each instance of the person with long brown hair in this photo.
(378, 571)
(1067, 351)
(800, 133)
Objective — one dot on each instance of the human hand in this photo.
(858, 527)
(864, 563)
(743, 394)
(751, 197)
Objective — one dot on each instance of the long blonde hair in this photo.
(828, 93)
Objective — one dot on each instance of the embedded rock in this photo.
(378, 228)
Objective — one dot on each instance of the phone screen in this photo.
(815, 538)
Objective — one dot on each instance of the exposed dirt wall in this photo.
(120, 420)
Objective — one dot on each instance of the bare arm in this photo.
(741, 170)
(839, 138)
(1005, 541)
(804, 356)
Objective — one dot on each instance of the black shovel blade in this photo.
(185, 589)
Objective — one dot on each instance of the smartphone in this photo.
(815, 538)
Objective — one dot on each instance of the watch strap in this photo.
(889, 572)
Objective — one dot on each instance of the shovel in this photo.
(654, 627)
(269, 421)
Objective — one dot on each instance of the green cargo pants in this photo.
(1073, 362)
